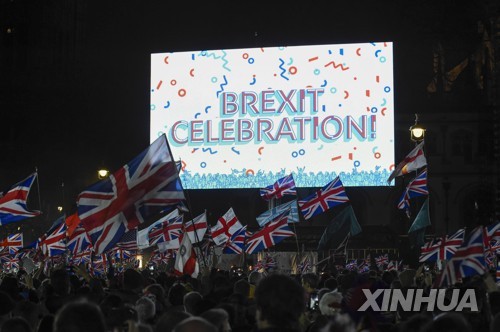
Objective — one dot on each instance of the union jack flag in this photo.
(304, 266)
(11, 263)
(443, 248)
(237, 242)
(207, 243)
(82, 257)
(168, 232)
(282, 187)
(269, 263)
(226, 226)
(467, 261)
(136, 191)
(272, 233)
(158, 257)
(324, 199)
(491, 235)
(53, 243)
(78, 241)
(99, 265)
(197, 227)
(417, 187)
(128, 241)
(13, 205)
(121, 255)
(498, 272)
(382, 260)
(392, 266)
(352, 265)
(14, 242)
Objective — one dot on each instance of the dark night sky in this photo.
(74, 75)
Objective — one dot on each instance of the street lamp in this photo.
(417, 132)
(102, 173)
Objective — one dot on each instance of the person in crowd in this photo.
(79, 316)
(6, 306)
(218, 317)
(169, 320)
(16, 324)
(195, 324)
(190, 301)
(330, 303)
(280, 303)
(175, 297)
(146, 310)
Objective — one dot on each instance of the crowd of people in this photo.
(69, 299)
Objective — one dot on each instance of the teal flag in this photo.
(422, 220)
(344, 223)
(269, 215)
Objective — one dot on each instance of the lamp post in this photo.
(417, 132)
(102, 173)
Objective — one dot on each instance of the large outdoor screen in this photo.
(243, 118)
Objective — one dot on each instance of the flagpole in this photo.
(188, 201)
(38, 188)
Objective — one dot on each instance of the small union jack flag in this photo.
(324, 199)
(352, 265)
(168, 231)
(304, 266)
(282, 187)
(11, 263)
(82, 257)
(54, 242)
(272, 233)
(417, 187)
(468, 260)
(13, 205)
(382, 260)
(442, 248)
(13, 242)
(158, 258)
(237, 242)
(269, 263)
(78, 241)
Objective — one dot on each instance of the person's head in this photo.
(331, 283)
(169, 320)
(29, 311)
(330, 303)
(279, 301)
(219, 317)
(310, 281)
(191, 299)
(242, 287)
(176, 294)
(17, 324)
(195, 324)
(133, 280)
(79, 316)
(59, 280)
(415, 323)
(145, 308)
(448, 322)
(6, 303)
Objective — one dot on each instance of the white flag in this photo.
(226, 226)
(412, 162)
(185, 260)
(197, 227)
